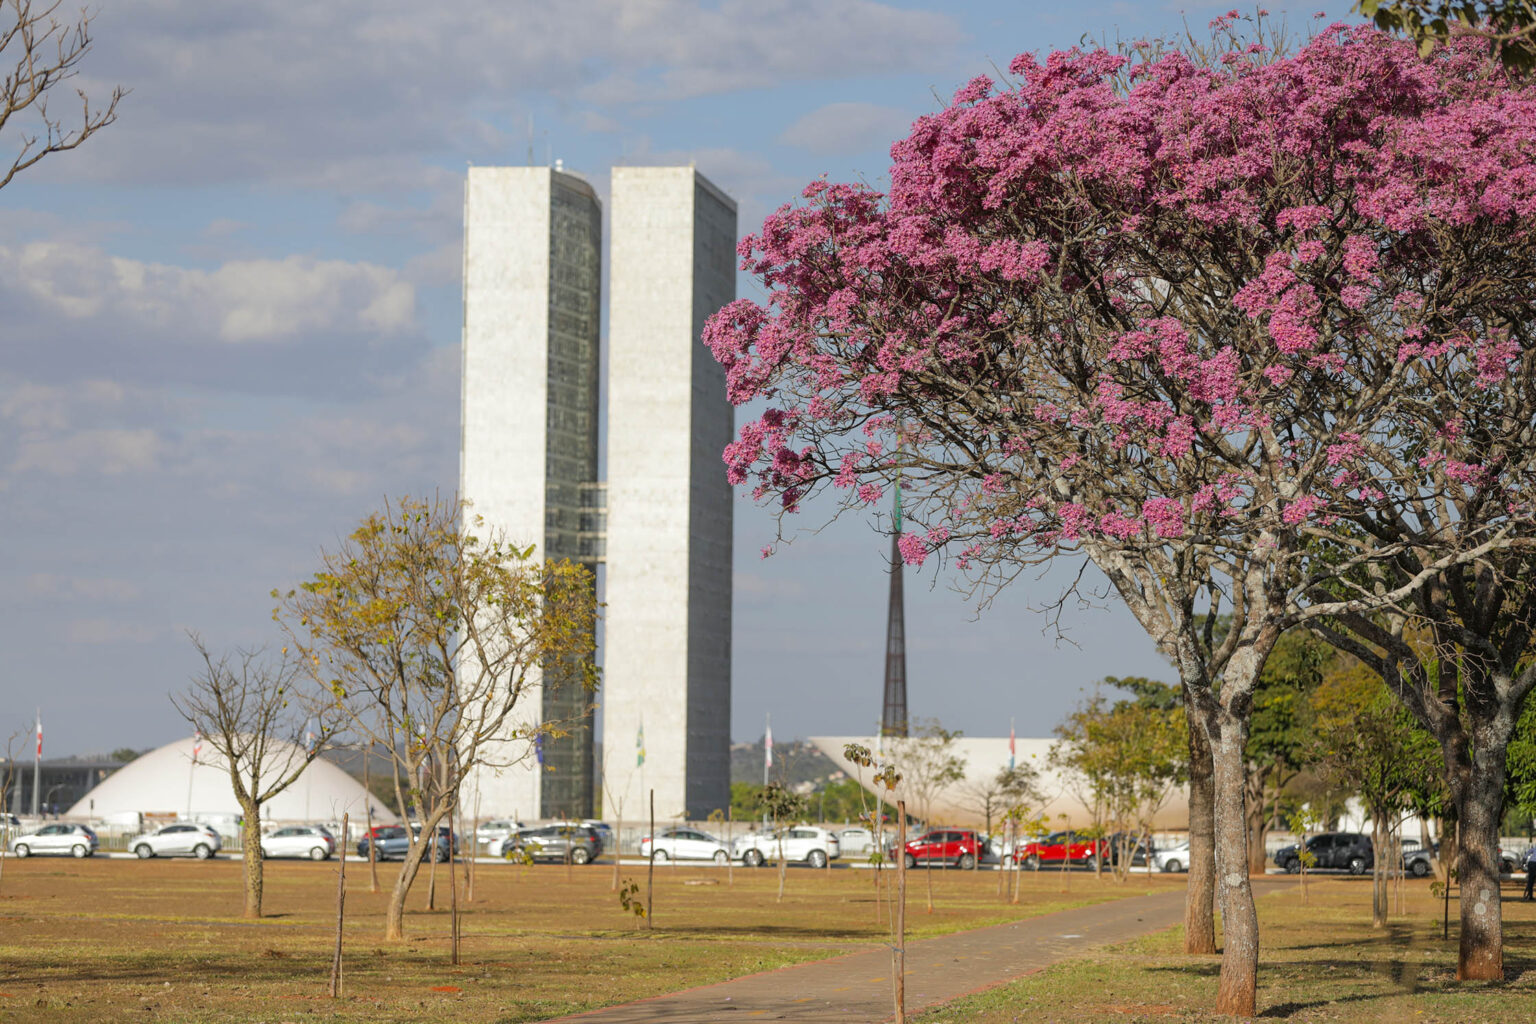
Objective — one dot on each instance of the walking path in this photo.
(857, 987)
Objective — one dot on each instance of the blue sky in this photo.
(231, 321)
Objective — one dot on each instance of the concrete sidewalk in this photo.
(857, 987)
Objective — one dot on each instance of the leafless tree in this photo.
(244, 705)
(40, 52)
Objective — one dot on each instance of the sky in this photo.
(229, 323)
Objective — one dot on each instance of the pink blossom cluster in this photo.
(1148, 310)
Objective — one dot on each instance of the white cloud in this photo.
(240, 301)
(109, 451)
(350, 94)
(108, 631)
(56, 586)
(842, 128)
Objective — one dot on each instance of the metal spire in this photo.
(893, 720)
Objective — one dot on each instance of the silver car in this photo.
(74, 840)
(180, 840)
(312, 841)
(1172, 858)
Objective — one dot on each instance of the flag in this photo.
(39, 735)
(640, 745)
(768, 749)
(197, 744)
(1011, 750)
(309, 736)
(538, 748)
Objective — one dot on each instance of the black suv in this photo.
(552, 842)
(1350, 851)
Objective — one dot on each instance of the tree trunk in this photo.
(250, 839)
(1258, 822)
(1381, 843)
(426, 846)
(1200, 891)
(1237, 991)
(1478, 800)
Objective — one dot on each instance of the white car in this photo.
(684, 844)
(1172, 858)
(180, 840)
(801, 844)
(491, 833)
(75, 840)
(860, 841)
(312, 841)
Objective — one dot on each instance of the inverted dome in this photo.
(158, 783)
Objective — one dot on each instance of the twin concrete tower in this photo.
(660, 525)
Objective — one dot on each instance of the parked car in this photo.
(552, 843)
(312, 841)
(393, 842)
(961, 847)
(1420, 860)
(1133, 843)
(1334, 851)
(604, 832)
(182, 839)
(1172, 858)
(1058, 847)
(75, 840)
(853, 842)
(1509, 860)
(802, 843)
(684, 844)
(601, 830)
(446, 837)
(490, 833)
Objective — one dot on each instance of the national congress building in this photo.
(660, 524)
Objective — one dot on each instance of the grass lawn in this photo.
(1320, 961)
(114, 940)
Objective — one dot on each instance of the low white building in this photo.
(165, 783)
(960, 803)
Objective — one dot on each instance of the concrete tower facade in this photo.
(667, 625)
(528, 443)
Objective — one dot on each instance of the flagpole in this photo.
(37, 764)
(197, 745)
(767, 760)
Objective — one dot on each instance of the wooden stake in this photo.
(899, 952)
(453, 899)
(650, 867)
(341, 906)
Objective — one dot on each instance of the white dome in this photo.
(166, 782)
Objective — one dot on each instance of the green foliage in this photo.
(1149, 692)
(1520, 761)
(629, 897)
(124, 755)
(1128, 756)
(1363, 737)
(1507, 27)
(782, 803)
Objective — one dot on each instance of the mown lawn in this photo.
(1321, 961)
(116, 940)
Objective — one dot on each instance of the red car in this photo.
(958, 846)
(1061, 846)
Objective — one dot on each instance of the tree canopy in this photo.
(1239, 331)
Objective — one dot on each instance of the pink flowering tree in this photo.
(1184, 319)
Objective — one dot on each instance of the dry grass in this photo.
(1321, 961)
(113, 940)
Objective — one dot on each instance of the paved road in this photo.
(857, 987)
